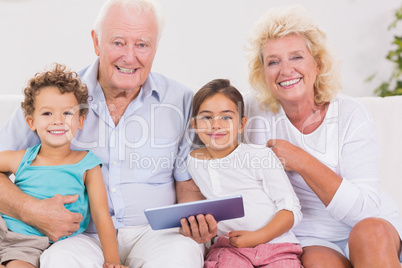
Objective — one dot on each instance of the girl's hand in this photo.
(113, 265)
(290, 156)
(243, 239)
(201, 229)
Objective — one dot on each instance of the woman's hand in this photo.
(321, 179)
(290, 156)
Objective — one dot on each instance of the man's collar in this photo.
(149, 88)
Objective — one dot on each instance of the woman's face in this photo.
(290, 69)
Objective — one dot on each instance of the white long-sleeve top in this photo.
(347, 143)
(257, 175)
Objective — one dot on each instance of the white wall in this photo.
(203, 40)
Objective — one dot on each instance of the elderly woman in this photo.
(326, 142)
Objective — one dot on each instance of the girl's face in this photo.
(56, 117)
(218, 124)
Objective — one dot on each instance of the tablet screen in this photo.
(169, 216)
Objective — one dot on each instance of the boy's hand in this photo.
(243, 239)
(113, 265)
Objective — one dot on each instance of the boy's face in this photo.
(218, 124)
(56, 117)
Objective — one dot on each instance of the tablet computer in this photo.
(169, 216)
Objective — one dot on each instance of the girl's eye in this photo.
(206, 117)
(68, 113)
(226, 117)
(47, 113)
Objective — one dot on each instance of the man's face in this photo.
(126, 50)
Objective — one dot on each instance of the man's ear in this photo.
(95, 41)
(193, 123)
(29, 120)
(243, 124)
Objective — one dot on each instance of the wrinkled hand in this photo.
(113, 265)
(201, 230)
(52, 219)
(243, 239)
(290, 155)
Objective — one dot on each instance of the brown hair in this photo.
(214, 87)
(66, 81)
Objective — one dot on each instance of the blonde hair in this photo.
(281, 22)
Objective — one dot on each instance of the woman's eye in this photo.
(297, 58)
(271, 63)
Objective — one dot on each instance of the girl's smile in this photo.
(218, 125)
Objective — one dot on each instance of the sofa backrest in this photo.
(387, 115)
(8, 104)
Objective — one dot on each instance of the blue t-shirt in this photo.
(46, 181)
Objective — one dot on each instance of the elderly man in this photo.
(137, 125)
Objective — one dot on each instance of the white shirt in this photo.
(257, 175)
(346, 142)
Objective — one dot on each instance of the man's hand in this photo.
(201, 230)
(51, 218)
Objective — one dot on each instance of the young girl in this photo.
(55, 106)
(224, 167)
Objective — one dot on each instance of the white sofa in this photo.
(386, 112)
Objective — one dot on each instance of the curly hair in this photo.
(277, 23)
(66, 81)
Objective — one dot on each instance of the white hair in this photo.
(131, 6)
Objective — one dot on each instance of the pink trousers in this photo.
(223, 254)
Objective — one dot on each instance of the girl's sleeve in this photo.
(278, 187)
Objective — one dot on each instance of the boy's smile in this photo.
(56, 117)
